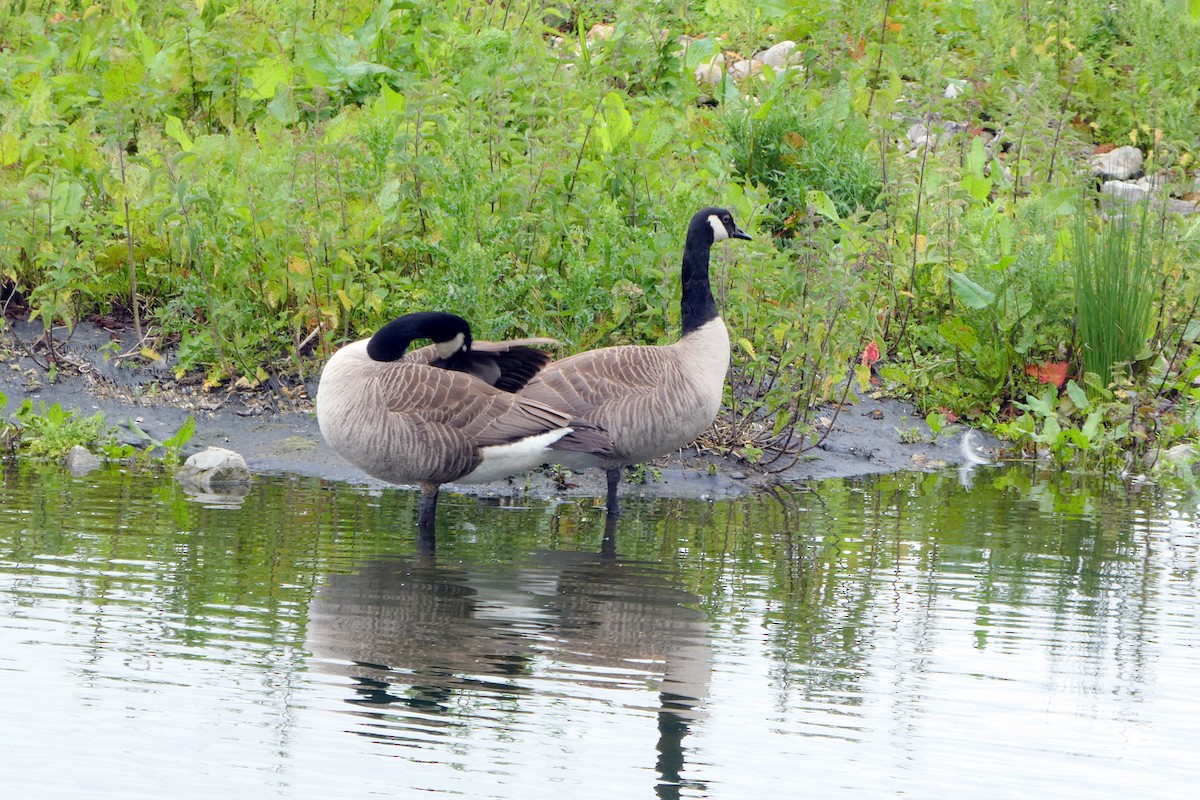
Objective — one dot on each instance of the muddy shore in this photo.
(275, 430)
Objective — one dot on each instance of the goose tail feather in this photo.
(585, 437)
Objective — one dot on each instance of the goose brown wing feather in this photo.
(608, 377)
(480, 414)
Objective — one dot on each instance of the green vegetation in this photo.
(253, 183)
(50, 432)
(43, 431)
(1114, 293)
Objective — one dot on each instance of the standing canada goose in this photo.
(442, 413)
(651, 400)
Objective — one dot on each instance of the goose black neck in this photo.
(392, 340)
(697, 306)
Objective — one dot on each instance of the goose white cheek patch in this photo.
(719, 232)
(447, 349)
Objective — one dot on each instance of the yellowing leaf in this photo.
(150, 354)
(264, 79)
(297, 265)
(862, 375)
(10, 149)
(175, 131)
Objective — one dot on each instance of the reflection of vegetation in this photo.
(827, 573)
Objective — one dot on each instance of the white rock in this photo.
(954, 88)
(778, 56)
(1179, 456)
(80, 461)
(744, 69)
(1129, 191)
(921, 138)
(1182, 206)
(214, 466)
(1136, 191)
(1120, 164)
(918, 134)
(795, 68)
(709, 74)
(1153, 182)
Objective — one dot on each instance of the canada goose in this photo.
(651, 400)
(442, 413)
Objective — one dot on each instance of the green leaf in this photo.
(618, 123)
(823, 204)
(1192, 332)
(959, 334)
(976, 158)
(122, 80)
(175, 131)
(936, 422)
(1077, 394)
(181, 436)
(264, 79)
(1050, 432)
(970, 292)
(1042, 407)
(283, 107)
(774, 9)
(699, 52)
(389, 195)
(389, 100)
(1092, 426)
(977, 186)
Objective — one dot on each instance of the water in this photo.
(901, 636)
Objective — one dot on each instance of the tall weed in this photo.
(1115, 288)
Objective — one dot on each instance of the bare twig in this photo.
(887, 5)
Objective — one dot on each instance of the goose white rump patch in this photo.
(503, 460)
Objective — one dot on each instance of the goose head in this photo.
(450, 333)
(715, 221)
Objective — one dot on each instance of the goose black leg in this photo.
(614, 478)
(428, 508)
(608, 545)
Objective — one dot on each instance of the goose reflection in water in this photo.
(432, 647)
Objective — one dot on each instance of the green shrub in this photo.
(800, 141)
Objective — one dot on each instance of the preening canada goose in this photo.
(442, 413)
(651, 400)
